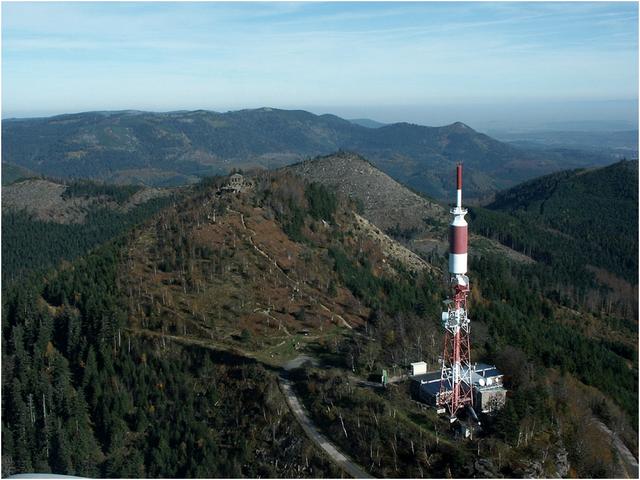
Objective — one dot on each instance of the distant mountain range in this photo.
(164, 149)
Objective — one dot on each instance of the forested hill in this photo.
(152, 356)
(415, 220)
(177, 147)
(565, 192)
(45, 222)
(593, 212)
(157, 354)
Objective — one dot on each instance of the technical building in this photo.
(489, 393)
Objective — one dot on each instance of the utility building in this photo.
(418, 368)
(488, 390)
(425, 388)
(490, 393)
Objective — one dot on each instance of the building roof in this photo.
(432, 388)
(427, 377)
(487, 370)
(430, 381)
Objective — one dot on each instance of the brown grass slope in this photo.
(220, 268)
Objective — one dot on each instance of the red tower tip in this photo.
(459, 171)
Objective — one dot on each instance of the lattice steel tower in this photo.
(455, 379)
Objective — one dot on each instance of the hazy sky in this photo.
(424, 62)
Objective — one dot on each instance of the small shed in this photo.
(418, 368)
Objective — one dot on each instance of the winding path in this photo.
(293, 282)
(286, 387)
(296, 407)
(312, 432)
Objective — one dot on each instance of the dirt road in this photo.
(309, 428)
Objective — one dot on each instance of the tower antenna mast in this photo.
(455, 378)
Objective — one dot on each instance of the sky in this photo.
(487, 64)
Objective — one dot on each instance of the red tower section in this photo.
(455, 381)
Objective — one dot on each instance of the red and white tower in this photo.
(455, 380)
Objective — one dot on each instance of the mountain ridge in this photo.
(564, 203)
(178, 147)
